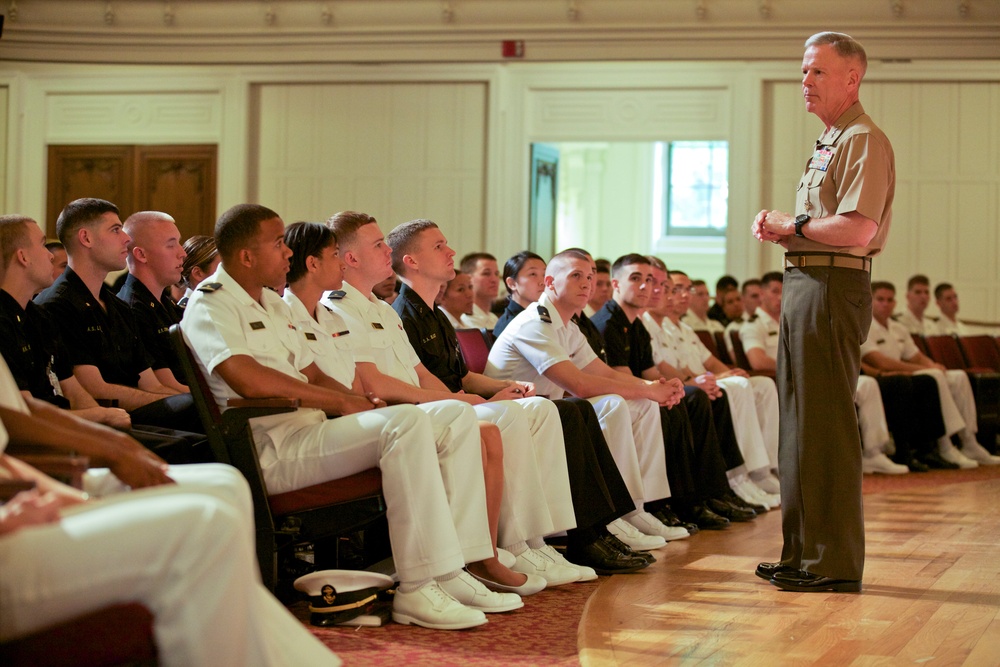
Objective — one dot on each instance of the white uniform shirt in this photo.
(479, 319)
(922, 327)
(761, 334)
(699, 324)
(894, 341)
(535, 341)
(946, 327)
(327, 338)
(225, 322)
(691, 352)
(665, 348)
(457, 324)
(378, 334)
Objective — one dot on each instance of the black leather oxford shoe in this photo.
(604, 559)
(768, 570)
(801, 581)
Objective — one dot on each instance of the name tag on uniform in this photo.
(821, 158)
(880, 341)
(256, 326)
(310, 335)
(377, 325)
(772, 333)
(340, 333)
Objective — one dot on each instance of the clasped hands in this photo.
(773, 226)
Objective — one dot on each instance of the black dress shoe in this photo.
(801, 581)
(735, 500)
(934, 460)
(730, 511)
(916, 465)
(604, 559)
(627, 551)
(706, 519)
(768, 570)
(667, 516)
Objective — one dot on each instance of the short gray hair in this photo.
(845, 45)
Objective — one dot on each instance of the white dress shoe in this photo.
(748, 492)
(534, 562)
(533, 585)
(767, 483)
(771, 500)
(979, 454)
(466, 589)
(952, 455)
(431, 607)
(882, 464)
(635, 539)
(586, 573)
(647, 524)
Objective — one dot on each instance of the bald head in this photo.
(155, 253)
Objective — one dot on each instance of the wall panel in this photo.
(398, 151)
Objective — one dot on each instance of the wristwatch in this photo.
(800, 220)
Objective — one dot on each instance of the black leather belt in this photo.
(793, 261)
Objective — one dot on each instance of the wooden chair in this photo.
(980, 352)
(475, 345)
(117, 635)
(313, 514)
(985, 383)
(921, 344)
(721, 349)
(741, 356)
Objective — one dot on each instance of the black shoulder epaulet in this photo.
(753, 318)
(208, 288)
(933, 319)
(337, 294)
(183, 302)
(543, 314)
(895, 317)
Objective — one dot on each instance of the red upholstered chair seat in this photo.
(363, 484)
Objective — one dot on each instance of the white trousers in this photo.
(184, 555)
(742, 397)
(958, 405)
(432, 477)
(632, 429)
(871, 416)
(536, 496)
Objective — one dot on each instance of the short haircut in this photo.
(81, 213)
(678, 272)
(200, 251)
(725, 284)
(13, 236)
(845, 46)
(513, 266)
(54, 245)
(403, 239)
(750, 282)
(883, 284)
(941, 288)
(627, 260)
(657, 263)
(237, 228)
(698, 283)
(918, 279)
(771, 277)
(565, 256)
(603, 265)
(346, 224)
(468, 263)
(306, 239)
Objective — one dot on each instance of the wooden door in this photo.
(179, 180)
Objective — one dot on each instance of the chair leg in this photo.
(267, 559)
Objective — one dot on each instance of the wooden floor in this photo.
(931, 594)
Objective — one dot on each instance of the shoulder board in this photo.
(328, 308)
(183, 302)
(753, 318)
(543, 314)
(337, 294)
(208, 288)
(895, 317)
(933, 319)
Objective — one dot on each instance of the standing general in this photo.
(843, 210)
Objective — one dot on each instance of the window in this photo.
(694, 197)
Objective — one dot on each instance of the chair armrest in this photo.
(11, 487)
